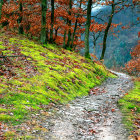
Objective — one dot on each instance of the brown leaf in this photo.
(113, 110)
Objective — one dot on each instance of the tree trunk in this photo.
(43, 21)
(107, 30)
(95, 38)
(52, 21)
(87, 55)
(20, 30)
(47, 32)
(56, 32)
(64, 42)
(74, 34)
(75, 27)
(1, 3)
(69, 23)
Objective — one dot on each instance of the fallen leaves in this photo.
(97, 90)
(113, 110)
(92, 131)
(45, 113)
(132, 137)
(126, 94)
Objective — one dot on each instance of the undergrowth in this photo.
(40, 75)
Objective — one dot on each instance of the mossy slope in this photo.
(47, 74)
(130, 106)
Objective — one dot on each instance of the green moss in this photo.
(128, 103)
(5, 118)
(26, 137)
(2, 47)
(7, 52)
(60, 76)
(1, 43)
(3, 110)
(2, 90)
(16, 82)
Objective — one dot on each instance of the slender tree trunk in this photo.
(56, 32)
(64, 42)
(95, 38)
(47, 32)
(1, 3)
(107, 30)
(69, 23)
(20, 29)
(87, 55)
(52, 21)
(43, 21)
(75, 27)
(94, 48)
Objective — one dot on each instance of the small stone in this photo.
(11, 114)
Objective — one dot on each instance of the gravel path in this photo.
(94, 117)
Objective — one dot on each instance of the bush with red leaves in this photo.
(133, 66)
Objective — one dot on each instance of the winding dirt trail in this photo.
(94, 117)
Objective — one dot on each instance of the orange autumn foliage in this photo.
(133, 66)
(31, 19)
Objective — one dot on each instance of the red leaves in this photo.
(92, 131)
(112, 110)
(1, 133)
(96, 90)
(93, 91)
(51, 68)
(95, 27)
(133, 66)
(125, 27)
(126, 94)
(31, 19)
(98, 77)
(94, 56)
(135, 2)
(138, 34)
(137, 123)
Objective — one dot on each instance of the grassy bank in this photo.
(40, 75)
(130, 106)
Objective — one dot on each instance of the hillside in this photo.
(37, 76)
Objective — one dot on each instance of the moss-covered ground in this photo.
(130, 106)
(40, 75)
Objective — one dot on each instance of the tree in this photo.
(87, 55)
(96, 30)
(52, 21)
(95, 38)
(1, 3)
(29, 16)
(107, 30)
(20, 18)
(64, 41)
(43, 21)
(117, 6)
(69, 24)
(10, 17)
(75, 26)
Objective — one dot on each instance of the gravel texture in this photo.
(94, 117)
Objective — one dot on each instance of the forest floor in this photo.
(34, 92)
(94, 117)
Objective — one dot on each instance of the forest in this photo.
(69, 69)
